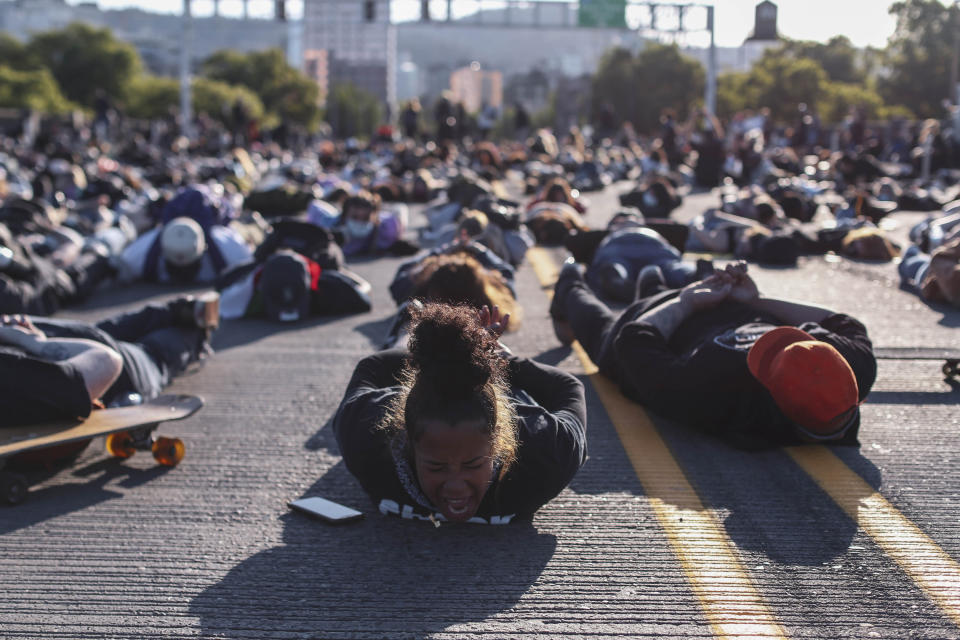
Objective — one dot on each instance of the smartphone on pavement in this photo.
(325, 510)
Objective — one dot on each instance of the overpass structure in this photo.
(358, 37)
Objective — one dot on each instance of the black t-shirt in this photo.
(700, 376)
(552, 441)
(35, 390)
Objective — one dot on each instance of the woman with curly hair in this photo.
(458, 273)
(458, 430)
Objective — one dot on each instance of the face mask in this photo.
(183, 273)
(357, 229)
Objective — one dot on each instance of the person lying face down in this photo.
(757, 372)
(456, 430)
(459, 425)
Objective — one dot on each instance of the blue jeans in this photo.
(913, 267)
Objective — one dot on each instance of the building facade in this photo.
(156, 36)
(359, 40)
(476, 88)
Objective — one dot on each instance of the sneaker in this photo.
(650, 281)
(705, 268)
(614, 282)
(201, 312)
(570, 274)
(563, 331)
(206, 310)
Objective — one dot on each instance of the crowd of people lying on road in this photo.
(444, 422)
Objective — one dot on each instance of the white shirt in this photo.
(232, 247)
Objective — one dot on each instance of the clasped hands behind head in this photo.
(730, 283)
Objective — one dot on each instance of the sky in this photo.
(864, 22)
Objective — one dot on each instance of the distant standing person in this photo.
(486, 119)
(410, 119)
(446, 120)
(521, 121)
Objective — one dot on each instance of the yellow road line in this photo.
(936, 573)
(730, 601)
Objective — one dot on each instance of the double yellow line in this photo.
(729, 599)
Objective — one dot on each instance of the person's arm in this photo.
(490, 260)
(552, 434)
(232, 245)
(947, 222)
(134, 257)
(553, 389)
(378, 371)
(694, 298)
(716, 236)
(715, 123)
(744, 289)
(791, 312)
(98, 365)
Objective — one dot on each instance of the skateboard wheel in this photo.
(120, 444)
(168, 451)
(13, 488)
(950, 369)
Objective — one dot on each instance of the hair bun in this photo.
(451, 350)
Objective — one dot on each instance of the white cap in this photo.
(182, 241)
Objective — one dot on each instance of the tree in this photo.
(840, 97)
(31, 90)
(612, 84)
(838, 58)
(919, 56)
(155, 96)
(15, 54)
(781, 83)
(217, 99)
(665, 78)
(731, 93)
(351, 111)
(85, 60)
(638, 89)
(285, 92)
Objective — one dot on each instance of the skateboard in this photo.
(127, 429)
(950, 357)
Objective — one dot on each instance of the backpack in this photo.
(309, 240)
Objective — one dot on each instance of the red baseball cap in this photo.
(809, 380)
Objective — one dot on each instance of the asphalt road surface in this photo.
(663, 533)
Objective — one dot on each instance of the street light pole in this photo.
(186, 56)
(955, 27)
(711, 97)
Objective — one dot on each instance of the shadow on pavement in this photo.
(554, 356)
(917, 397)
(765, 501)
(376, 330)
(128, 294)
(242, 331)
(61, 499)
(323, 439)
(781, 513)
(380, 577)
(772, 506)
